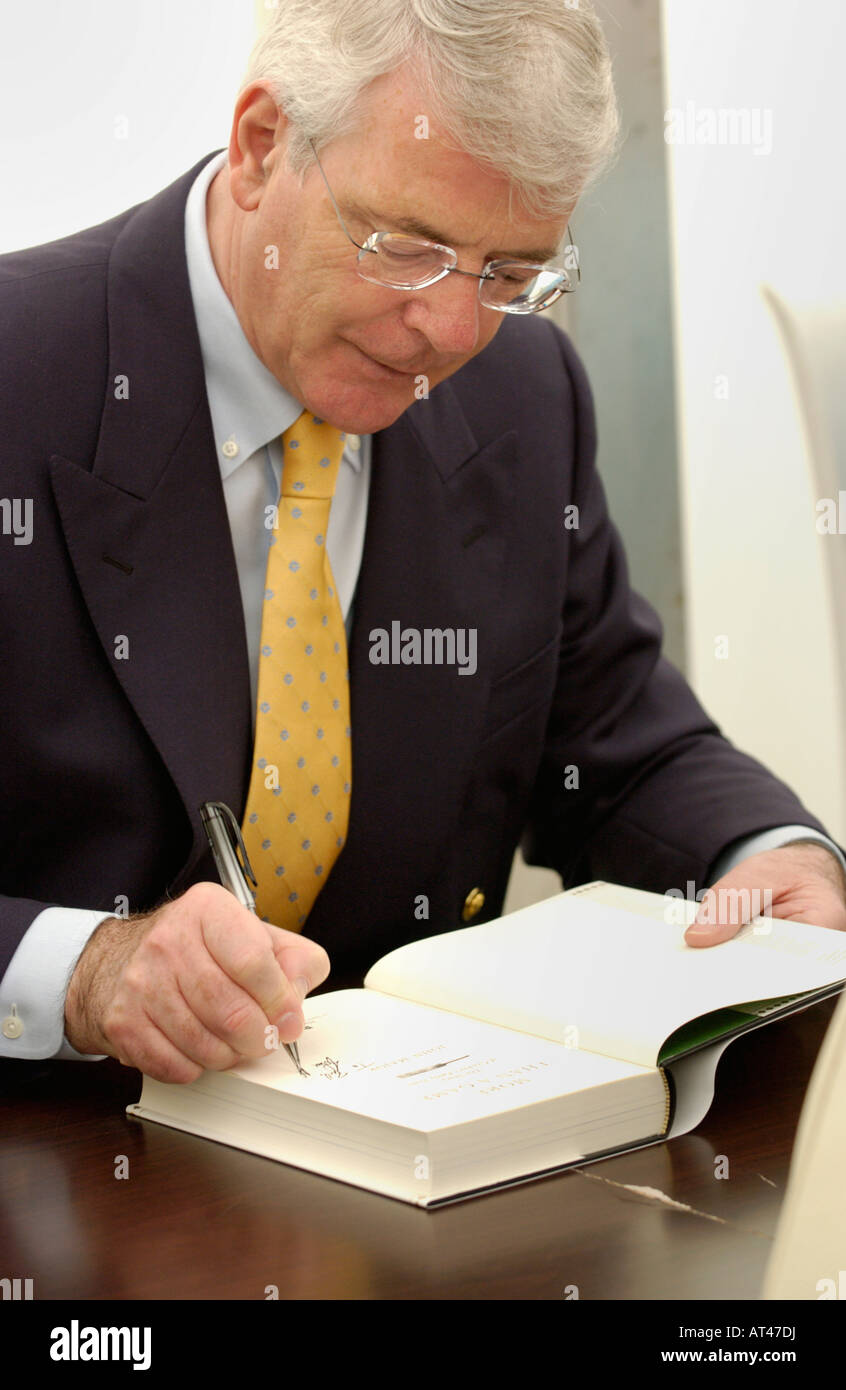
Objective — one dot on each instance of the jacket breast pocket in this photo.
(522, 690)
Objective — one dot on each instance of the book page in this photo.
(603, 979)
(410, 1065)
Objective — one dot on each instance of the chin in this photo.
(358, 410)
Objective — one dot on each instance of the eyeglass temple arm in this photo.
(332, 196)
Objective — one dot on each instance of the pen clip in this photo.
(237, 839)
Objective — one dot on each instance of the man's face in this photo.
(348, 349)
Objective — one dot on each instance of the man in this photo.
(161, 373)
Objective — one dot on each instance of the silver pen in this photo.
(224, 834)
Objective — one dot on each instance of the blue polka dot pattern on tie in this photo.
(303, 695)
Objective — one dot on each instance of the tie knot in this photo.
(311, 456)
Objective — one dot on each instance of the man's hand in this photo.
(803, 882)
(194, 984)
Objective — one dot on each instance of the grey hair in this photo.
(524, 87)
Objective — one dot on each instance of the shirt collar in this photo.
(248, 406)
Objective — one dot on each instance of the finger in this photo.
(303, 961)
(719, 917)
(183, 1023)
(240, 945)
(139, 1042)
(230, 1013)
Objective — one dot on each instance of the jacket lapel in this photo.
(147, 528)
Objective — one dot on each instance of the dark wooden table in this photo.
(197, 1220)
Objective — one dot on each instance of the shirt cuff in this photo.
(33, 989)
(769, 839)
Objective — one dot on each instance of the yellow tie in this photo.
(295, 820)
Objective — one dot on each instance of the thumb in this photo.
(725, 907)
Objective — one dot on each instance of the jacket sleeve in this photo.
(637, 784)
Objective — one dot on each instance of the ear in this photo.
(259, 128)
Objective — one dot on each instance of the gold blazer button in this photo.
(473, 903)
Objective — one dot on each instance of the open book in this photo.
(568, 1031)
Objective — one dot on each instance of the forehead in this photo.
(401, 169)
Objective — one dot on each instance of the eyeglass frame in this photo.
(487, 269)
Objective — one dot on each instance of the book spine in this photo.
(668, 1100)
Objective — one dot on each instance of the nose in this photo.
(447, 313)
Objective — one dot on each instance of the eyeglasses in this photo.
(403, 262)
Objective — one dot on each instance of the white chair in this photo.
(813, 336)
(809, 1256)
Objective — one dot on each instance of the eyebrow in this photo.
(414, 227)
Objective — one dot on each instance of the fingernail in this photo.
(289, 1018)
(302, 986)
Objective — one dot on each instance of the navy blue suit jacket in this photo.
(104, 761)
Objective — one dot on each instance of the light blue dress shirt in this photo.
(250, 410)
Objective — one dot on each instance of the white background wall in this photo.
(740, 218)
(105, 102)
